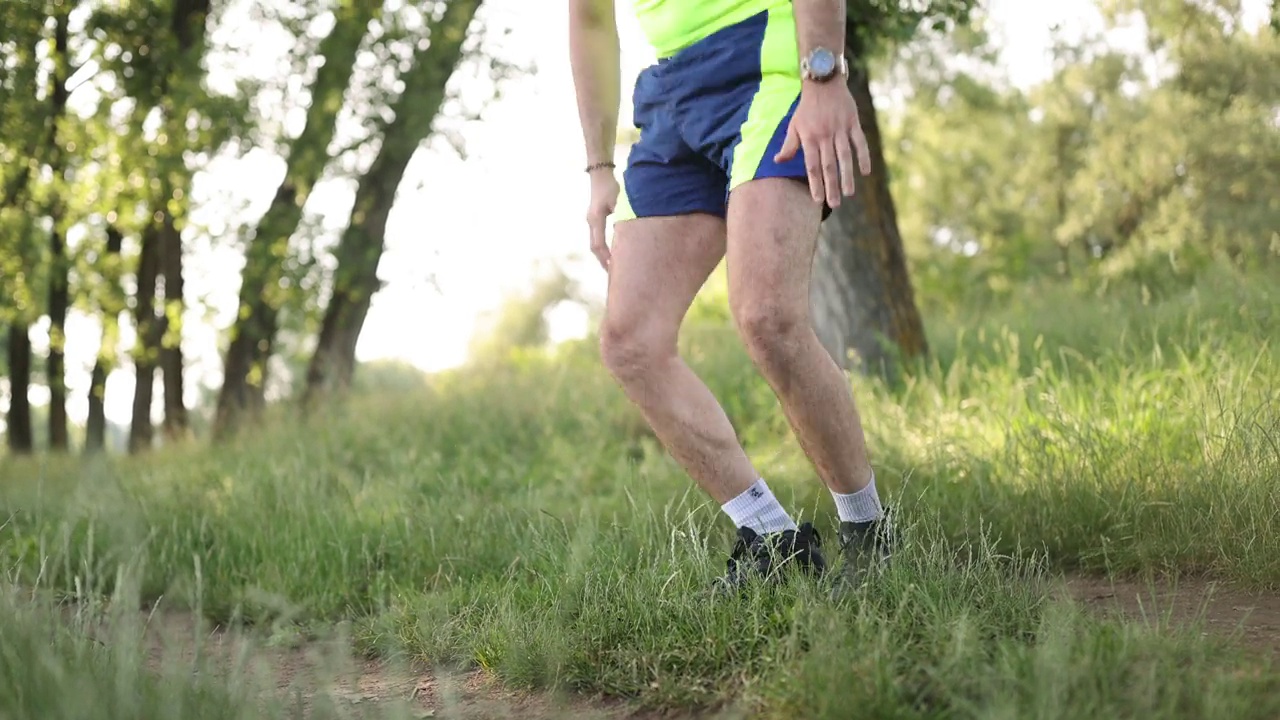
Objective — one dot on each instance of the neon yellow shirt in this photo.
(672, 25)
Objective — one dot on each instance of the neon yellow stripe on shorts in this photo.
(779, 88)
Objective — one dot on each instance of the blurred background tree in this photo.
(1140, 166)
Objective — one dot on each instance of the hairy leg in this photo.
(772, 236)
(657, 267)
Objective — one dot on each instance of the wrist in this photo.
(823, 87)
(821, 66)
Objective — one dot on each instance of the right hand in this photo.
(604, 198)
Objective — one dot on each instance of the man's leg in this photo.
(658, 266)
(669, 235)
(772, 234)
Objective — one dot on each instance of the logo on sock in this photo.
(755, 492)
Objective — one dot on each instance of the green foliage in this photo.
(157, 118)
(389, 377)
(520, 322)
(877, 24)
(518, 517)
(139, 120)
(428, 67)
(1146, 166)
(24, 116)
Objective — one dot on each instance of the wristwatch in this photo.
(820, 65)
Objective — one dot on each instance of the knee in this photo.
(631, 350)
(773, 334)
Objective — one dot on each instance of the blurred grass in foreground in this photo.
(521, 518)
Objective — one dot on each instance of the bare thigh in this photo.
(773, 234)
(658, 265)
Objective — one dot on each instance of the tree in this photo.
(112, 303)
(862, 297)
(1143, 165)
(163, 83)
(171, 362)
(59, 267)
(20, 437)
(261, 295)
(184, 74)
(1200, 141)
(980, 185)
(355, 280)
(521, 320)
(863, 302)
(149, 332)
(23, 131)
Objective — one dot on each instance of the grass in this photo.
(521, 519)
(91, 661)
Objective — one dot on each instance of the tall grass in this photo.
(101, 658)
(522, 519)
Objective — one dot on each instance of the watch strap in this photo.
(841, 69)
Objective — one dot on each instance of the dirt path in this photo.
(316, 672)
(1251, 618)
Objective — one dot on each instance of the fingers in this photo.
(824, 172)
(813, 167)
(844, 151)
(789, 146)
(829, 166)
(864, 152)
(599, 247)
(602, 256)
(831, 172)
(829, 161)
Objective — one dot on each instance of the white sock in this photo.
(759, 510)
(862, 506)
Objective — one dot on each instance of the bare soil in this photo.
(311, 672)
(1250, 618)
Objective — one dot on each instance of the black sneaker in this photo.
(866, 549)
(770, 556)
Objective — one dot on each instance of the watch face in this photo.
(822, 62)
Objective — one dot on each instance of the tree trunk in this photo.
(149, 331)
(1061, 145)
(95, 429)
(19, 433)
(355, 281)
(96, 425)
(254, 332)
(171, 363)
(55, 367)
(244, 369)
(333, 365)
(162, 244)
(59, 267)
(863, 303)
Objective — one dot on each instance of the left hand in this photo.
(826, 125)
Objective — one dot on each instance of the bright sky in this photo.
(480, 226)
